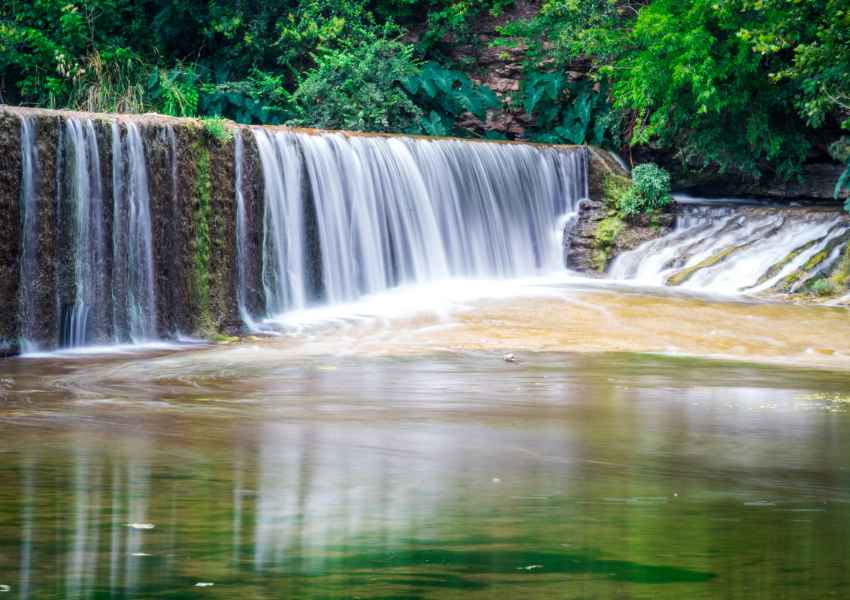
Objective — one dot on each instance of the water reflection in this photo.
(603, 476)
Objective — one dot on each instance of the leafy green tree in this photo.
(736, 84)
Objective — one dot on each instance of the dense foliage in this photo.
(751, 85)
(360, 88)
(754, 86)
(322, 63)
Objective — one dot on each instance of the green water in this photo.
(439, 476)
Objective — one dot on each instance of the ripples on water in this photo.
(403, 458)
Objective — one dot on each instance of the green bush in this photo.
(565, 112)
(260, 98)
(650, 190)
(360, 89)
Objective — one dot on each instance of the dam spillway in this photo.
(122, 229)
(129, 229)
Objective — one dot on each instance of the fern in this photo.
(445, 94)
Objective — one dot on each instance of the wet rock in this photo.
(10, 192)
(586, 249)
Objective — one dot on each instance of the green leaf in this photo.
(547, 116)
(433, 124)
(583, 108)
(236, 99)
(412, 84)
(428, 87)
(843, 182)
(599, 132)
(532, 98)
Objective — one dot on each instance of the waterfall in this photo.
(89, 241)
(102, 246)
(29, 270)
(241, 233)
(347, 216)
(741, 249)
(283, 261)
(109, 242)
(133, 268)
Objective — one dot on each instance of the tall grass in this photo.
(110, 84)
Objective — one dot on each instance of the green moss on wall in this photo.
(201, 213)
(614, 188)
(841, 275)
(605, 236)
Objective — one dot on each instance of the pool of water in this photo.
(362, 458)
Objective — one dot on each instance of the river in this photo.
(635, 444)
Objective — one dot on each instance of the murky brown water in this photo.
(406, 459)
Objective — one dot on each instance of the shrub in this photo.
(217, 128)
(260, 98)
(650, 190)
(359, 88)
(110, 81)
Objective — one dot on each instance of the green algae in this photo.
(605, 237)
(836, 281)
(614, 188)
(684, 275)
(777, 267)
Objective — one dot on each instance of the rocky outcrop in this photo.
(500, 67)
(599, 232)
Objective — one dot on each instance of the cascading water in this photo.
(29, 273)
(283, 261)
(241, 233)
(739, 249)
(347, 216)
(133, 270)
(89, 240)
(321, 219)
(103, 284)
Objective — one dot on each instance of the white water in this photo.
(109, 295)
(347, 217)
(283, 262)
(241, 233)
(29, 273)
(133, 269)
(758, 248)
(89, 239)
